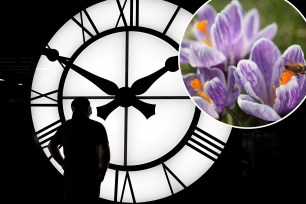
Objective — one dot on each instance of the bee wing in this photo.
(289, 60)
(294, 64)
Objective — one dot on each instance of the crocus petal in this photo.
(302, 82)
(221, 35)
(206, 107)
(268, 32)
(187, 43)
(249, 106)
(251, 23)
(303, 92)
(251, 79)
(204, 56)
(233, 11)
(265, 53)
(230, 77)
(209, 74)
(239, 50)
(233, 89)
(184, 55)
(287, 97)
(207, 12)
(216, 90)
(294, 53)
(245, 97)
(187, 81)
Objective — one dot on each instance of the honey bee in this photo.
(295, 67)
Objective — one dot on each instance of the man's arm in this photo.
(104, 159)
(55, 153)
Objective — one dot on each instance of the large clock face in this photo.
(122, 56)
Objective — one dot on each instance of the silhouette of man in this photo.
(86, 154)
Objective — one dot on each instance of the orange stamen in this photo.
(202, 26)
(207, 42)
(285, 77)
(197, 85)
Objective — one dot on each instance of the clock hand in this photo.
(104, 111)
(146, 109)
(105, 85)
(123, 97)
(126, 98)
(142, 85)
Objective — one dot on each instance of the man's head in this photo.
(81, 106)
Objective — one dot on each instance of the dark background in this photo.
(265, 165)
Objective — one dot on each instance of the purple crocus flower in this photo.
(226, 36)
(210, 90)
(271, 91)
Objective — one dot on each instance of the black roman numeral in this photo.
(127, 180)
(45, 134)
(206, 144)
(134, 13)
(85, 30)
(171, 20)
(45, 95)
(168, 171)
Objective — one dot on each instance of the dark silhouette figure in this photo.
(86, 154)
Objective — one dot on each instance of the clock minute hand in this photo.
(142, 85)
(105, 85)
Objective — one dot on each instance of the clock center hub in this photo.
(125, 97)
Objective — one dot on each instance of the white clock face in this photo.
(100, 60)
(153, 153)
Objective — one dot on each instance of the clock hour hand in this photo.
(146, 109)
(126, 98)
(142, 85)
(104, 111)
(105, 85)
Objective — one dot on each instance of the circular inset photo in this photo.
(242, 62)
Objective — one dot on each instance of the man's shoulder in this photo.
(97, 127)
(92, 124)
